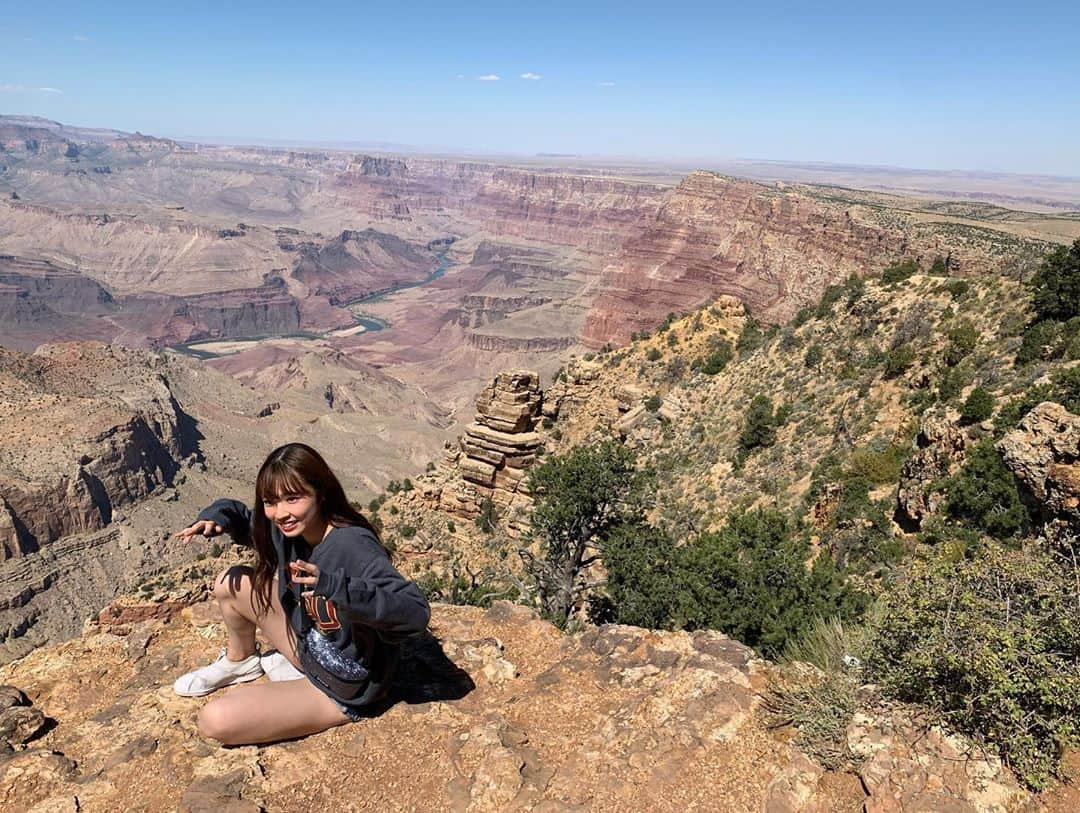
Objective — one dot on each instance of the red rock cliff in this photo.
(774, 249)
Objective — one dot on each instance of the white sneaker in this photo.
(277, 667)
(217, 675)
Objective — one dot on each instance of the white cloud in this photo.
(528, 75)
(8, 88)
(489, 77)
(461, 76)
(80, 38)
(606, 84)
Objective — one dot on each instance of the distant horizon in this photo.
(969, 86)
(686, 164)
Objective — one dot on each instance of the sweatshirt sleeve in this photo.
(373, 593)
(233, 516)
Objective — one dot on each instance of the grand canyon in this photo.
(172, 310)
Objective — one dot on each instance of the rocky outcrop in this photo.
(491, 459)
(482, 309)
(63, 290)
(266, 310)
(906, 766)
(589, 212)
(508, 713)
(775, 249)
(941, 445)
(360, 263)
(1044, 453)
(84, 428)
(559, 207)
(498, 343)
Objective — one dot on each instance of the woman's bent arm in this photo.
(233, 516)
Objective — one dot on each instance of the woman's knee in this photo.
(233, 582)
(218, 721)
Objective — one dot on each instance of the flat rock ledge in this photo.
(497, 710)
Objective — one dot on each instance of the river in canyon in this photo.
(364, 323)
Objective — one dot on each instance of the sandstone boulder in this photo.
(941, 449)
(1044, 452)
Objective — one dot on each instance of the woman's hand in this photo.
(304, 573)
(204, 527)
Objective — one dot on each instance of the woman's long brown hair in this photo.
(294, 468)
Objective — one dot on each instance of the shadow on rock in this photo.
(426, 674)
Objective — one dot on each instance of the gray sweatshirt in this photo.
(349, 630)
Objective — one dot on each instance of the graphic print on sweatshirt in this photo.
(323, 612)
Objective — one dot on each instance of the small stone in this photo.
(356, 746)
(20, 724)
(10, 696)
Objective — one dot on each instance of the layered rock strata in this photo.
(85, 428)
(775, 249)
(490, 461)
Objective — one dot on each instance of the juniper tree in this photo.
(580, 499)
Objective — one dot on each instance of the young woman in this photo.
(324, 594)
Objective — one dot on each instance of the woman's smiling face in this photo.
(294, 513)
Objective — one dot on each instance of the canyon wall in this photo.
(85, 428)
(590, 212)
(776, 249)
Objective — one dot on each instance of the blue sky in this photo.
(982, 86)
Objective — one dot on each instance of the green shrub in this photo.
(641, 584)
(750, 581)
(477, 590)
(1066, 384)
(814, 356)
(654, 354)
(957, 288)
(879, 465)
(829, 297)
(717, 360)
(898, 359)
(407, 531)
(939, 268)
(653, 403)
(801, 317)
(962, 340)
(820, 707)
(855, 288)
(990, 644)
(1056, 285)
(759, 429)
(750, 339)
(1012, 412)
(820, 704)
(1039, 340)
(488, 518)
(984, 496)
(899, 272)
(953, 381)
(978, 406)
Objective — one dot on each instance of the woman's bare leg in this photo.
(268, 712)
(232, 589)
